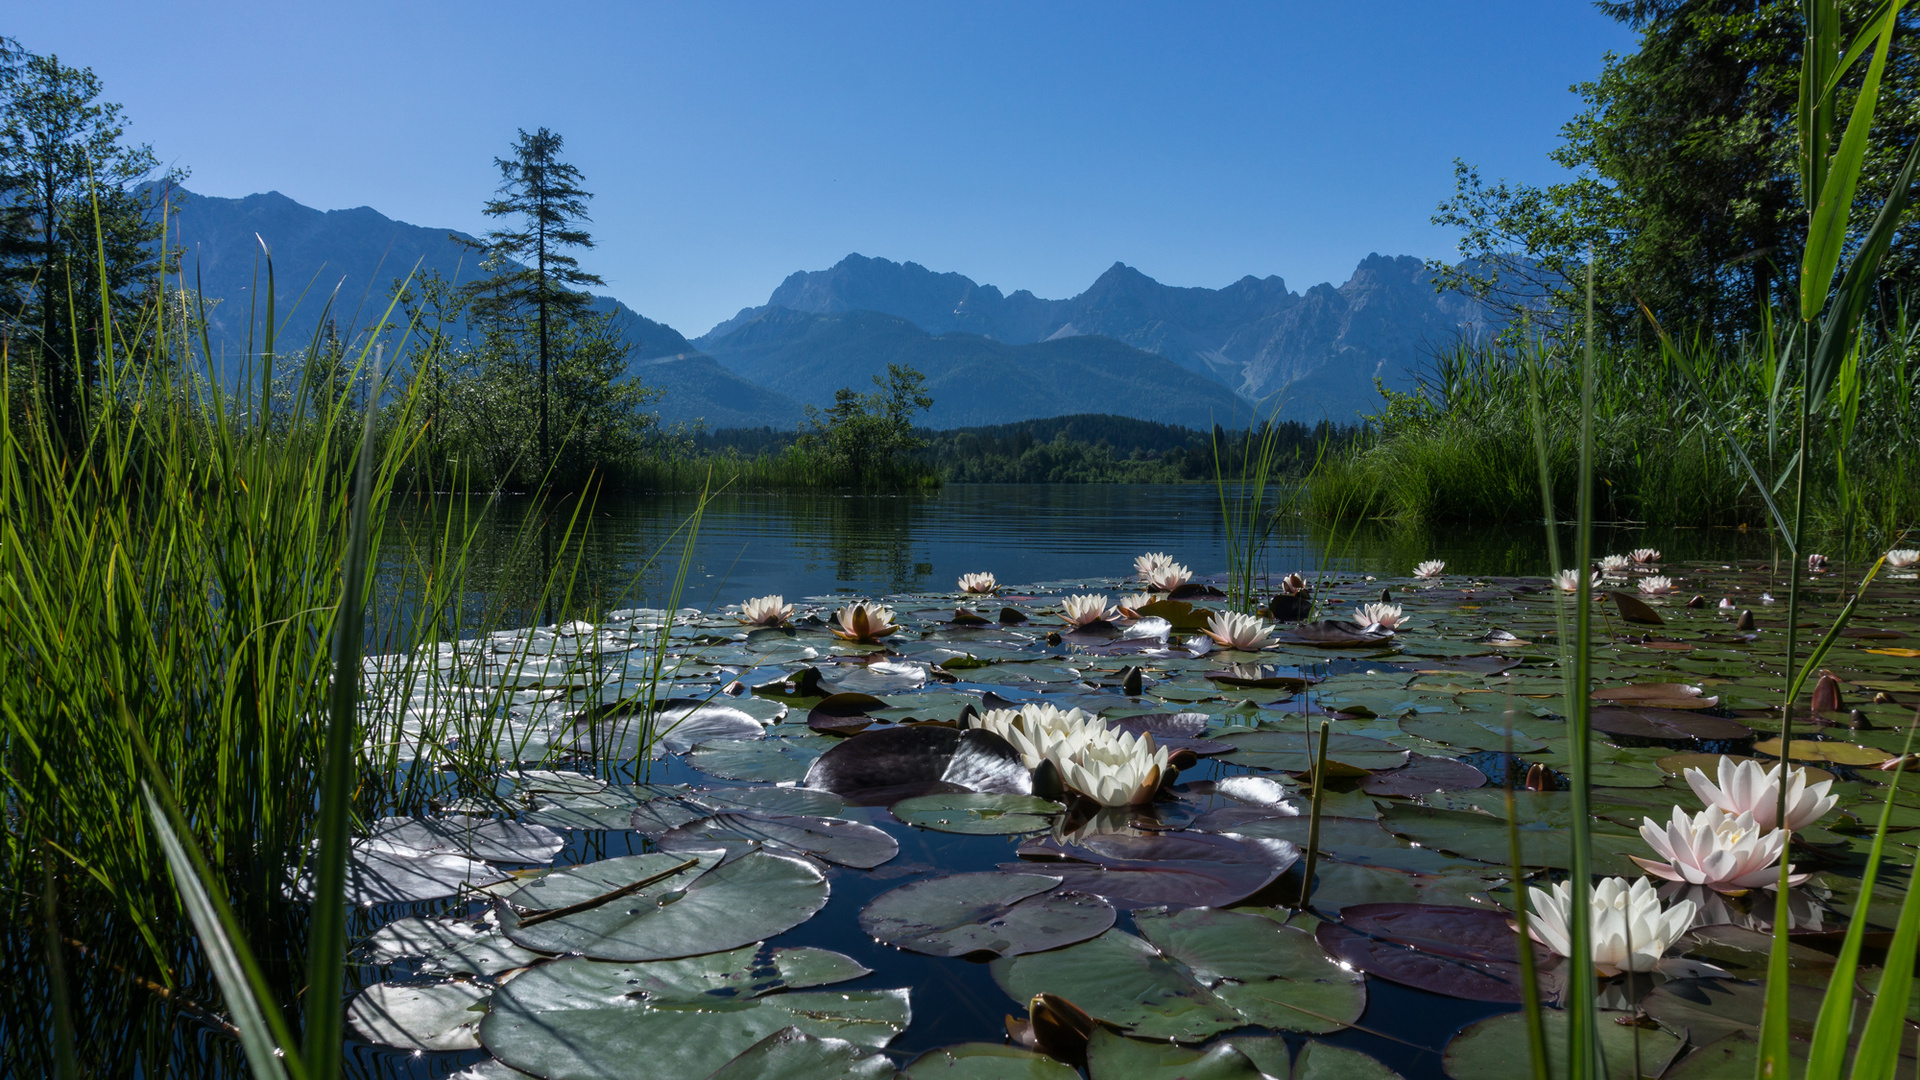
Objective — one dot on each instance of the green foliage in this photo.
(869, 438)
(1685, 161)
(78, 227)
(1671, 432)
(532, 275)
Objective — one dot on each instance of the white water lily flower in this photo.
(1643, 556)
(766, 611)
(1816, 563)
(1086, 610)
(1726, 604)
(1112, 770)
(1231, 630)
(1569, 581)
(1614, 565)
(1630, 931)
(1748, 788)
(982, 584)
(1169, 577)
(1656, 585)
(1379, 616)
(1035, 730)
(1430, 569)
(1725, 852)
(862, 621)
(1130, 605)
(1146, 565)
(1901, 558)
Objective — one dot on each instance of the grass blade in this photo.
(327, 936)
(1886, 1020)
(1828, 1055)
(232, 966)
(1827, 232)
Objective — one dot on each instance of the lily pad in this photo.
(379, 872)
(765, 761)
(610, 807)
(1469, 733)
(1177, 869)
(703, 908)
(1194, 974)
(1839, 753)
(1460, 952)
(449, 946)
(883, 766)
(844, 714)
(1634, 610)
(1657, 695)
(1423, 775)
(1669, 725)
(583, 1017)
(984, 913)
(978, 813)
(986, 1061)
(1116, 1057)
(439, 1016)
(1484, 838)
(487, 839)
(792, 1054)
(1287, 751)
(844, 843)
(1498, 1046)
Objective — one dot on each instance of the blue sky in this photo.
(1027, 145)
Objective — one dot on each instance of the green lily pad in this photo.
(449, 946)
(1484, 838)
(978, 813)
(1469, 733)
(582, 1017)
(1195, 973)
(986, 1061)
(765, 761)
(792, 1054)
(440, 1016)
(843, 843)
(1316, 1061)
(1000, 914)
(1839, 753)
(1498, 1046)
(1116, 1057)
(609, 807)
(701, 909)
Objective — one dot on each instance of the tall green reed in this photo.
(1246, 520)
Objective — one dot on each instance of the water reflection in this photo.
(824, 544)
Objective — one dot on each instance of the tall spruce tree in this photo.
(544, 193)
(78, 218)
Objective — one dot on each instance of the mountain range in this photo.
(1128, 345)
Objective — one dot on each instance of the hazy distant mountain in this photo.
(341, 264)
(973, 379)
(1314, 354)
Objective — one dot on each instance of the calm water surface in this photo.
(857, 545)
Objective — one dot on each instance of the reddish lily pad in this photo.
(1667, 725)
(1174, 869)
(1460, 952)
(844, 714)
(1423, 775)
(1657, 695)
(988, 913)
(876, 768)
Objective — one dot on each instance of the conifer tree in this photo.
(544, 193)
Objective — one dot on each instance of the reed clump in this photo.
(1680, 436)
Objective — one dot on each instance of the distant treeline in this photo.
(1082, 449)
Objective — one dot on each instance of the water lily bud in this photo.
(1746, 620)
(1698, 601)
(1858, 721)
(1826, 693)
(1386, 596)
